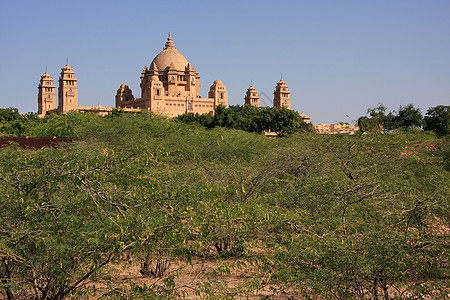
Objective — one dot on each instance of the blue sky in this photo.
(339, 57)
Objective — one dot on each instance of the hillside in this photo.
(144, 207)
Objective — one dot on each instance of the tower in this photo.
(252, 96)
(219, 93)
(282, 95)
(68, 90)
(124, 94)
(46, 94)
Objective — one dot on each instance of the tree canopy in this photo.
(437, 119)
(377, 119)
(250, 118)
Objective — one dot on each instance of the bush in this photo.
(249, 118)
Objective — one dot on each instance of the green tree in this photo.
(249, 118)
(11, 122)
(437, 119)
(284, 121)
(376, 120)
(408, 117)
(9, 114)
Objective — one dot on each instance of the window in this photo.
(221, 95)
(172, 78)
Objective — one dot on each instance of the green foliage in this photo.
(333, 216)
(9, 114)
(407, 118)
(115, 112)
(249, 118)
(376, 121)
(437, 119)
(11, 122)
(59, 125)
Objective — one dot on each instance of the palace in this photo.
(171, 86)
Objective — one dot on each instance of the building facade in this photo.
(251, 97)
(282, 95)
(67, 92)
(171, 86)
(46, 94)
(67, 95)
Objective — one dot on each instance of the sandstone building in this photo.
(46, 94)
(67, 95)
(335, 128)
(282, 95)
(171, 86)
(252, 97)
(67, 92)
(281, 98)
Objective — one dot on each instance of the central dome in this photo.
(170, 55)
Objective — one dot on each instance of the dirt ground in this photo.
(199, 279)
(33, 143)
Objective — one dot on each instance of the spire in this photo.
(169, 43)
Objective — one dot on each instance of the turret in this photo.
(67, 90)
(282, 95)
(124, 95)
(46, 94)
(252, 97)
(219, 93)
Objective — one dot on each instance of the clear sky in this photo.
(339, 57)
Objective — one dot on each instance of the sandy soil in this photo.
(199, 279)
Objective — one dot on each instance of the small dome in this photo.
(67, 67)
(46, 75)
(218, 82)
